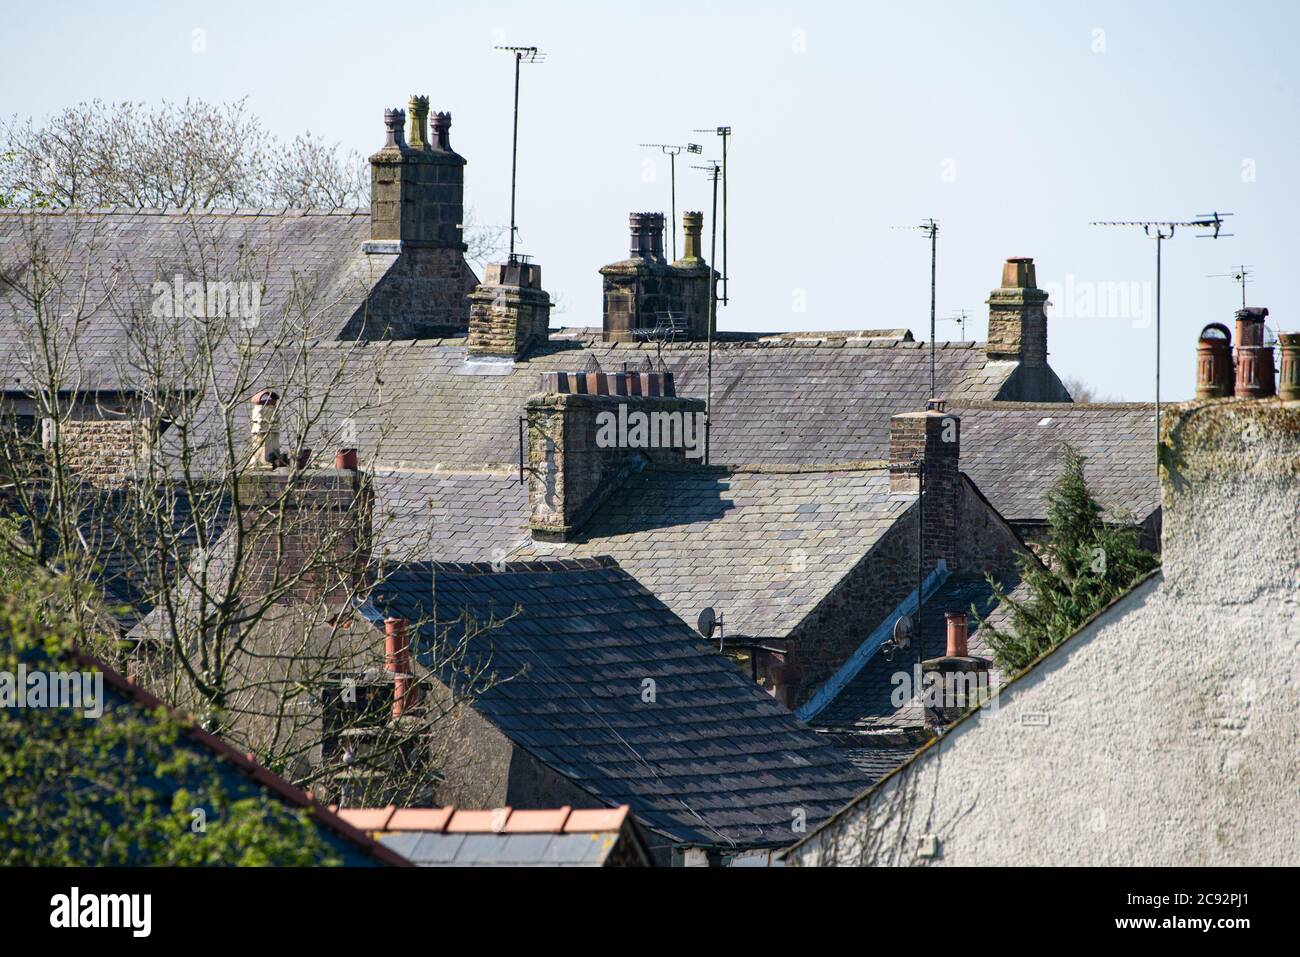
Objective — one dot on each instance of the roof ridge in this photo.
(762, 468)
(186, 211)
(532, 566)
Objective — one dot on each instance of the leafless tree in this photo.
(190, 155)
(253, 552)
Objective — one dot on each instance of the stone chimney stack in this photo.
(955, 681)
(588, 431)
(307, 531)
(509, 312)
(932, 438)
(417, 188)
(1017, 320)
(647, 296)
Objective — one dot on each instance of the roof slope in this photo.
(865, 701)
(709, 758)
(762, 546)
(784, 400)
(1012, 451)
(308, 263)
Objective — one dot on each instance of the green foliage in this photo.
(126, 787)
(1085, 566)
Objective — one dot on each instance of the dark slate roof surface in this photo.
(865, 701)
(762, 547)
(1012, 451)
(712, 760)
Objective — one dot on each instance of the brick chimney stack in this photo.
(934, 438)
(1017, 320)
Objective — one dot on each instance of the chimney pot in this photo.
(935, 405)
(1215, 375)
(957, 634)
(441, 123)
(418, 107)
(639, 243)
(394, 120)
(1018, 273)
(397, 661)
(692, 228)
(346, 459)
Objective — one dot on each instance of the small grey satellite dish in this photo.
(900, 639)
(707, 623)
(903, 631)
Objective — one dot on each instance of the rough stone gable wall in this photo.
(823, 641)
(1163, 732)
(103, 452)
(424, 294)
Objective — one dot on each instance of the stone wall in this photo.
(570, 472)
(1163, 732)
(824, 640)
(104, 451)
(423, 294)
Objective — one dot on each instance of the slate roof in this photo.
(112, 257)
(763, 546)
(449, 516)
(712, 760)
(776, 401)
(1012, 451)
(865, 701)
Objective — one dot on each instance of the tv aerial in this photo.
(1241, 275)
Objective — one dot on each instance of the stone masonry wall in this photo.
(569, 472)
(103, 452)
(1163, 732)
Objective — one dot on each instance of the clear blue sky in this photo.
(1013, 124)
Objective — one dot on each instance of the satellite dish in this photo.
(901, 638)
(903, 629)
(707, 622)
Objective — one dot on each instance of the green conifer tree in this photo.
(1086, 564)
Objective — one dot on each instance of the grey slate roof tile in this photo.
(714, 759)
